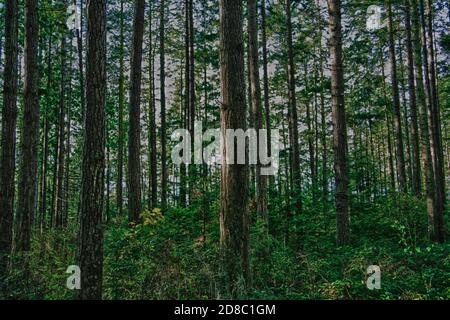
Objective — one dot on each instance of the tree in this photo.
(30, 132)
(266, 78)
(121, 133)
(60, 196)
(423, 99)
(153, 184)
(162, 76)
(79, 36)
(44, 178)
(339, 123)
(416, 172)
(261, 181)
(234, 181)
(9, 117)
(134, 143)
(93, 165)
(293, 123)
(396, 105)
(438, 234)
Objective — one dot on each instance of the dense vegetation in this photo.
(93, 90)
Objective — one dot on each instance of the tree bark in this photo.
(234, 182)
(438, 234)
(152, 196)
(266, 82)
(93, 165)
(162, 62)
(121, 133)
(30, 131)
(339, 123)
(60, 196)
(416, 169)
(134, 143)
(423, 100)
(261, 181)
(79, 36)
(396, 105)
(8, 142)
(293, 124)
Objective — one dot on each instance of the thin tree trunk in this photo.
(261, 181)
(293, 124)
(324, 129)
(438, 234)
(79, 36)
(423, 101)
(266, 83)
(388, 126)
(339, 122)
(121, 133)
(153, 137)
(43, 193)
(108, 184)
(152, 194)
(55, 176)
(162, 66)
(396, 105)
(309, 134)
(416, 169)
(191, 33)
(184, 120)
(60, 199)
(65, 218)
(134, 143)
(408, 157)
(185, 111)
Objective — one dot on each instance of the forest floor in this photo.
(165, 257)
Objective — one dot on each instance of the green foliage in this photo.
(169, 257)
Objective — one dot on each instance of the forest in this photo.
(224, 149)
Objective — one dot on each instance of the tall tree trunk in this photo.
(387, 119)
(324, 128)
(396, 105)
(408, 157)
(266, 82)
(192, 168)
(153, 137)
(68, 151)
(162, 62)
(107, 217)
(55, 175)
(293, 124)
(30, 131)
(420, 59)
(185, 110)
(234, 182)
(79, 36)
(339, 123)
(61, 140)
(9, 118)
(261, 181)
(438, 234)
(152, 194)
(44, 178)
(310, 136)
(134, 143)
(93, 165)
(416, 170)
(121, 133)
